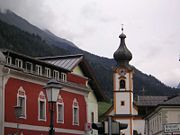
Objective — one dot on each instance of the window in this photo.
(92, 117)
(29, 67)
(75, 112)
(56, 74)
(122, 103)
(19, 63)
(39, 69)
(60, 110)
(41, 107)
(122, 84)
(42, 110)
(47, 72)
(63, 77)
(178, 118)
(9, 60)
(21, 101)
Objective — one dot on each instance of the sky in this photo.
(152, 28)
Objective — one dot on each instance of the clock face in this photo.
(122, 72)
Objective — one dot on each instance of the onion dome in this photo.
(122, 55)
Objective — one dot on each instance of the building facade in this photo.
(22, 79)
(167, 112)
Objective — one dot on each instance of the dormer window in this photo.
(47, 72)
(63, 77)
(38, 70)
(56, 74)
(29, 67)
(19, 63)
(9, 60)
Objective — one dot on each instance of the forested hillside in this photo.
(21, 41)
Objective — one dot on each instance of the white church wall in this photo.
(139, 125)
(122, 97)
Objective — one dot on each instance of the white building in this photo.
(165, 113)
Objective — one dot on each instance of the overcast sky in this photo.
(152, 28)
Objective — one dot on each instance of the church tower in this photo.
(123, 86)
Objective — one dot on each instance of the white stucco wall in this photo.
(173, 115)
(122, 97)
(125, 94)
(77, 70)
(160, 117)
(92, 104)
(139, 125)
(92, 107)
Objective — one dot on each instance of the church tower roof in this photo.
(122, 55)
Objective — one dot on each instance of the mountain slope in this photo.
(31, 44)
(13, 19)
(15, 39)
(178, 86)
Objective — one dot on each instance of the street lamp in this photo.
(18, 114)
(52, 90)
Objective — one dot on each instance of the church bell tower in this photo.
(123, 85)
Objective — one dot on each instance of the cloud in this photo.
(152, 28)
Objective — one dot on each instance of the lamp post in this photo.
(18, 113)
(52, 90)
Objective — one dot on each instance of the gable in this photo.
(78, 71)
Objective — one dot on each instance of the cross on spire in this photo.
(122, 27)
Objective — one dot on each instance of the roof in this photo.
(173, 100)
(7, 52)
(67, 62)
(122, 55)
(150, 100)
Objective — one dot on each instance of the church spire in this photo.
(122, 55)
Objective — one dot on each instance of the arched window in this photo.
(21, 101)
(60, 110)
(42, 107)
(75, 112)
(122, 84)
